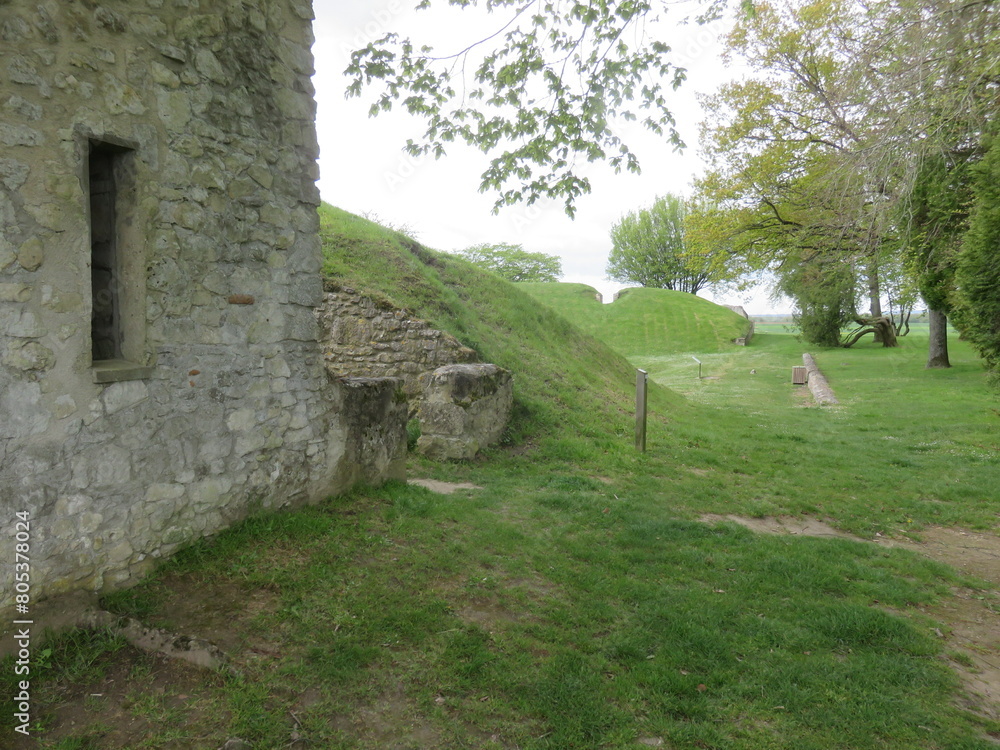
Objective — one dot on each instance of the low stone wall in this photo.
(363, 337)
(818, 384)
(745, 339)
(464, 408)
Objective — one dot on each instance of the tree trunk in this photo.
(937, 353)
(884, 330)
(875, 295)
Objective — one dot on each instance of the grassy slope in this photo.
(568, 386)
(645, 321)
(573, 601)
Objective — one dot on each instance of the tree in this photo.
(821, 152)
(977, 276)
(546, 91)
(823, 287)
(513, 262)
(649, 248)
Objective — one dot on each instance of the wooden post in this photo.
(699, 366)
(641, 379)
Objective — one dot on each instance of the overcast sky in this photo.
(363, 168)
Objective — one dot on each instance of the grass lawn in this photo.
(576, 600)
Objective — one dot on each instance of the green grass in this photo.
(644, 321)
(576, 601)
(907, 447)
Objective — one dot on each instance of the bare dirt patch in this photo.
(216, 610)
(392, 720)
(443, 488)
(793, 526)
(970, 616)
(137, 692)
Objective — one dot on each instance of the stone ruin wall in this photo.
(223, 405)
(362, 337)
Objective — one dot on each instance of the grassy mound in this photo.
(565, 381)
(645, 321)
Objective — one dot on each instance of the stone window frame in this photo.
(131, 261)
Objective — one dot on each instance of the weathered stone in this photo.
(13, 173)
(19, 135)
(118, 396)
(350, 322)
(465, 407)
(30, 356)
(15, 105)
(31, 254)
(64, 406)
(21, 70)
(164, 76)
(174, 109)
(121, 98)
(199, 26)
(206, 63)
(20, 323)
(15, 292)
(373, 418)
(106, 18)
(20, 403)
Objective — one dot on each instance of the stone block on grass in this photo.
(465, 408)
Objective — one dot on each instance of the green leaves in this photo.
(513, 262)
(544, 95)
(649, 247)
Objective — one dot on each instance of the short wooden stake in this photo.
(699, 366)
(641, 378)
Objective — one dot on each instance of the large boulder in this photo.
(464, 408)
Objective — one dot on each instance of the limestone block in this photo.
(15, 292)
(119, 396)
(19, 135)
(23, 413)
(13, 173)
(373, 422)
(465, 407)
(200, 26)
(121, 98)
(30, 356)
(209, 66)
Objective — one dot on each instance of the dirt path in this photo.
(971, 617)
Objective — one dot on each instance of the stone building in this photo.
(160, 372)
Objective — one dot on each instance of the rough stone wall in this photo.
(362, 337)
(220, 404)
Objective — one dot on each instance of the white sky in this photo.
(364, 169)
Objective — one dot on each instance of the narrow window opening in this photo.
(106, 328)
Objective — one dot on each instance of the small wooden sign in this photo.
(799, 375)
(641, 378)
